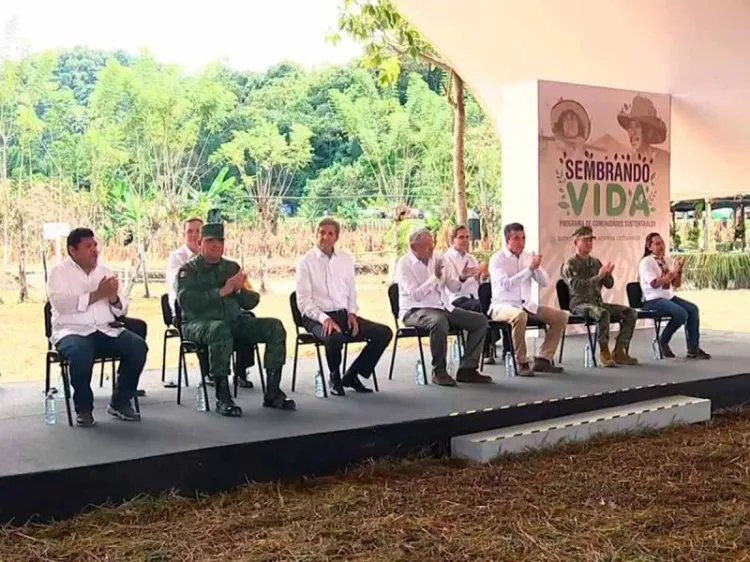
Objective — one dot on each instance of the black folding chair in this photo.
(563, 300)
(412, 332)
(53, 356)
(503, 328)
(635, 301)
(170, 332)
(303, 337)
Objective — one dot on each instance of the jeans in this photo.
(680, 312)
(80, 351)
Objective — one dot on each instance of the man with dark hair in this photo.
(213, 294)
(86, 303)
(470, 273)
(512, 270)
(327, 299)
(586, 275)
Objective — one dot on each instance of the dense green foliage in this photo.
(148, 143)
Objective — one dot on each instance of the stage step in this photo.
(651, 414)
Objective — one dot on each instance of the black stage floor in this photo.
(55, 471)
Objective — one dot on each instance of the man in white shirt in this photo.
(470, 274)
(86, 304)
(327, 299)
(422, 278)
(511, 272)
(191, 234)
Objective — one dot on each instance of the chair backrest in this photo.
(563, 294)
(485, 297)
(296, 314)
(47, 320)
(635, 294)
(166, 310)
(393, 299)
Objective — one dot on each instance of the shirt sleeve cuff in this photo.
(83, 302)
(322, 317)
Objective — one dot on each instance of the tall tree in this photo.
(387, 37)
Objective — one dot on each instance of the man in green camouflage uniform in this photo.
(585, 275)
(212, 293)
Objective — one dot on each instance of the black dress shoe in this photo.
(352, 381)
(337, 388)
(85, 419)
(244, 383)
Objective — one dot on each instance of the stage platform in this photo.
(56, 471)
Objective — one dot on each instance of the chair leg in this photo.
(260, 371)
(101, 376)
(294, 365)
(185, 371)
(66, 391)
(375, 381)
(657, 329)
(180, 363)
(510, 348)
(135, 403)
(47, 377)
(562, 346)
(164, 359)
(113, 375)
(322, 371)
(204, 386)
(234, 370)
(393, 357)
(421, 357)
(346, 351)
(592, 342)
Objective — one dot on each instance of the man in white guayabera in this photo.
(422, 278)
(87, 304)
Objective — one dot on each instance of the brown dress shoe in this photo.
(471, 375)
(443, 379)
(525, 370)
(622, 357)
(605, 357)
(542, 365)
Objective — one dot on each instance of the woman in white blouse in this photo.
(659, 277)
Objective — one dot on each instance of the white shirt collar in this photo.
(320, 254)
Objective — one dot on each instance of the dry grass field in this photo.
(680, 495)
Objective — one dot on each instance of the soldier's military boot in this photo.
(605, 357)
(224, 403)
(622, 357)
(275, 397)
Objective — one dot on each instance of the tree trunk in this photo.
(142, 258)
(459, 128)
(23, 294)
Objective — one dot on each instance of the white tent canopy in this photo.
(696, 50)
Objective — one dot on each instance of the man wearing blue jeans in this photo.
(87, 305)
(658, 282)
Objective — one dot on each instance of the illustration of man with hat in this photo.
(586, 275)
(212, 293)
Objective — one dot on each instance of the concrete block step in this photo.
(647, 415)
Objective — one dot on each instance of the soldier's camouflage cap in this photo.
(212, 231)
(583, 232)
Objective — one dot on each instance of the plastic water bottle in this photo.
(319, 385)
(200, 398)
(50, 409)
(419, 373)
(531, 346)
(587, 361)
(508, 364)
(455, 352)
(655, 348)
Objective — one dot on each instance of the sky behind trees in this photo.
(247, 35)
